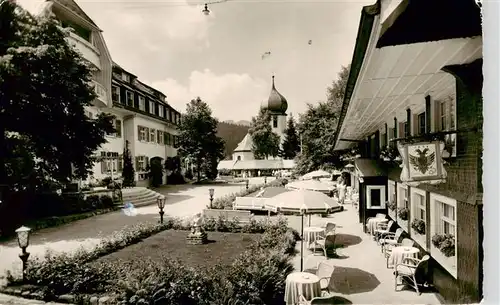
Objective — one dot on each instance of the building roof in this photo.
(245, 144)
(276, 103)
(369, 168)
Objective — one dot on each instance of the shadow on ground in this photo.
(346, 280)
(346, 240)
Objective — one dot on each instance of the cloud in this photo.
(231, 96)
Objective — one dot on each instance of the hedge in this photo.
(258, 274)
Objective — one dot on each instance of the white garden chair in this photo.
(411, 269)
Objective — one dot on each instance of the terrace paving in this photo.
(361, 256)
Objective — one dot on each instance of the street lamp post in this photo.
(23, 239)
(211, 193)
(161, 204)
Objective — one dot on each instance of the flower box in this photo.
(403, 214)
(448, 263)
(443, 249)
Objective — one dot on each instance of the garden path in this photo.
(186, 200)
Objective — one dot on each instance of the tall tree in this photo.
(198, 138)
(128, 173)
(318, 126)
(44, 86)
(265, 142)
(291, 144)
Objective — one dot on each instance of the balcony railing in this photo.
(88, 51)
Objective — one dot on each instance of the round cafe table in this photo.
(399, 253)
(311, 234)
(373, 222)
(301, 283)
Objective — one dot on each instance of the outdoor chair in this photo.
(324, 299)
(383, 228)
(326, 242)
(390, 238)
(413, 270)
(324, 272)
(406, 242)
(330, 227)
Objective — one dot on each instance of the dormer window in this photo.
(125, 77)
(152, 107)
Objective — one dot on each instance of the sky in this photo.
(172, 46)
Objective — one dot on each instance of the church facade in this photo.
(243, 161)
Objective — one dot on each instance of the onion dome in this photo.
(276, 103)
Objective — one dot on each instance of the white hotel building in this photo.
(143, 116)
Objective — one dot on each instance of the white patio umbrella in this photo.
(316, 174)
(310, 185)
(303, 202)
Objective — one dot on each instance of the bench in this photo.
(242, 216)
(250, 203)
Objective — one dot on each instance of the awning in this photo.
(369, 168)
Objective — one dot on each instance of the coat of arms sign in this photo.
(422, 163)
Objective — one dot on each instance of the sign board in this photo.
(422, 163)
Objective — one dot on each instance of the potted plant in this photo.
(419, 226)
(445, 243)
(403, 213)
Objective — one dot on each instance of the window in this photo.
(143, 133)
(125, 77)
(141, 163)
(238, 158)
(159, 137)
(142, 103)
(115, 94)
(402, 196)
(152, 107)
(112, 162)
(442, 116)
(375, 197)
(383, 140)
(152, 135)
(418, 204)
(405, 129)
(160, 110)
(421, 123)
(117, 124)
(446, 115)
(275, 121)
(443, 221)
(130, 98)
(167, 114)
(168, 138)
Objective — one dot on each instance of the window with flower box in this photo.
(402, 210)
(418, 216)
(443, 231)
(392, 199)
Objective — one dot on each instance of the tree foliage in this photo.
(265, 142)
(318, 126)
(291, 143)
(198, 138)
(44, 86)
(128, 172)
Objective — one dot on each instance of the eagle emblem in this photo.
(422, 162)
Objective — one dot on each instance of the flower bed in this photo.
(226, 202)
(257, 275)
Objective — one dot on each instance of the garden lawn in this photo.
(221, 248)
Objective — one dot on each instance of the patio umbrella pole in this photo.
(302, 243)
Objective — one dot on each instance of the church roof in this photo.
(276, 103)
(245, 144)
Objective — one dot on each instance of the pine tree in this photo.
(291, 144)
(128, 172)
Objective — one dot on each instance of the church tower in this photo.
(277, 106)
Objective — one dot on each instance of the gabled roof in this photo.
(245, 144)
